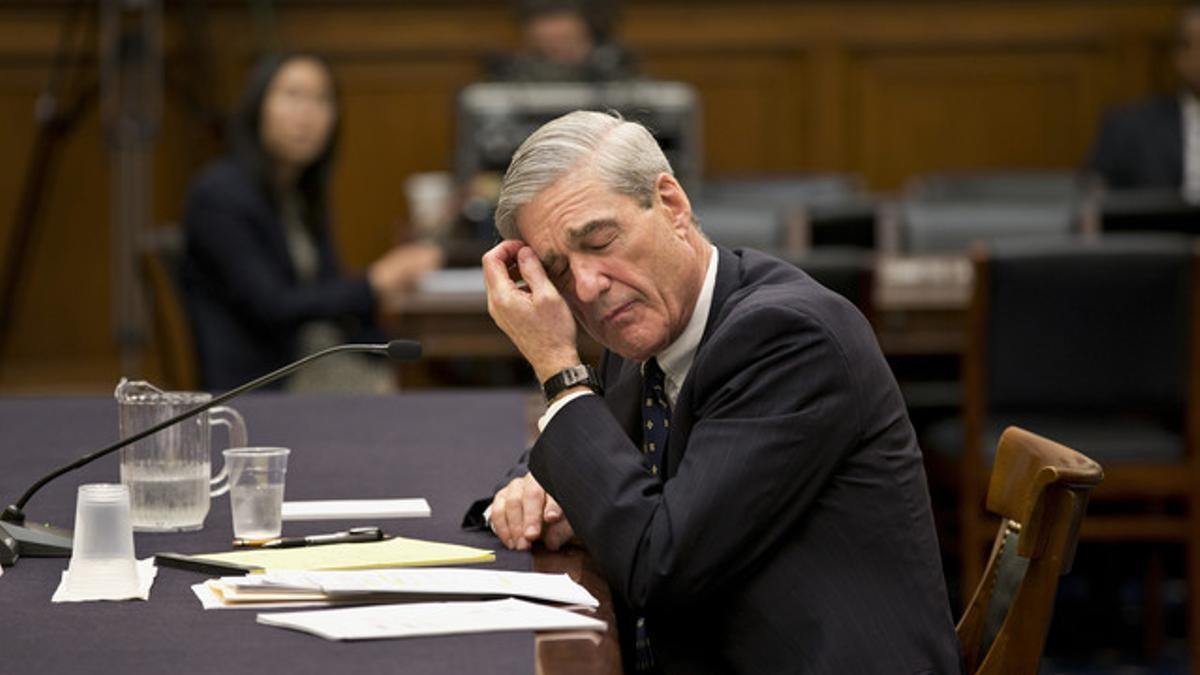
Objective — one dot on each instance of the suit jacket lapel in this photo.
(683, 416)
(623, 396)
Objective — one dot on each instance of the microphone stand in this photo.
(45, 541)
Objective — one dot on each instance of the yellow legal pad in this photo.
(394, 552)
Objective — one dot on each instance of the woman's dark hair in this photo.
(248, 150)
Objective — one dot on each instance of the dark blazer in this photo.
(244, 300)
(793, 533)
(1141, 145)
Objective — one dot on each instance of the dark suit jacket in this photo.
(1141, 146)
(793, 533)
(244, 300)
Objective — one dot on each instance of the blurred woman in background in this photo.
(260, 275)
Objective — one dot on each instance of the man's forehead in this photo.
(567, 211)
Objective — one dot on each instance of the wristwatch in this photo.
(571, 377)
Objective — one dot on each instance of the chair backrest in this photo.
(760, 226)
(946, 213)
(816, 209)
(1040, 488)
(1085, 325)
(172, 331)
(1026, 185)
(953, 226)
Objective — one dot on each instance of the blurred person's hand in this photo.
(399, 270)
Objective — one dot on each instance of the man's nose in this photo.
(590, 282)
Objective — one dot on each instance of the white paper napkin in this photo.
(146, 572)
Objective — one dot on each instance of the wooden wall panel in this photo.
(63, 304)
(886, 89)
(940, 111)
(396, 121)
(752, 110)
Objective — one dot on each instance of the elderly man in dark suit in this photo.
(742, 468)
(1156, 143)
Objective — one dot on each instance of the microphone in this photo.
(45, 541)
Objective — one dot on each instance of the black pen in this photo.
(354, 534)
(203, 565)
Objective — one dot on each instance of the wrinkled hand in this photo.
(536, 317)
(399, 270)
(523, 513)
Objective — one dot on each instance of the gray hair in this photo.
(623, 154)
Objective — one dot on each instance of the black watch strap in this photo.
(571, 377)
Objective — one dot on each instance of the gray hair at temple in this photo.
(623, 154)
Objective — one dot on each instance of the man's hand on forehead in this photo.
(532, 313)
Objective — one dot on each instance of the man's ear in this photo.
(675, 201)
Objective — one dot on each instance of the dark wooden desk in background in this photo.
(450, 447)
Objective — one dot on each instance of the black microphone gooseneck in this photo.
(36, 544)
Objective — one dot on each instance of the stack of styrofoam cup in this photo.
(102, 561)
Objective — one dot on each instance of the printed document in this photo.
(430, 618)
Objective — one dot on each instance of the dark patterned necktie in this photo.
(656, 416)
(656, 426)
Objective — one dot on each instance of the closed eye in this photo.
(599, 245)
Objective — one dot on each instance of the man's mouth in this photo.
(618, 311)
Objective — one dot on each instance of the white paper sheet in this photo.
(449, 581)
(430, 618)
(346, 509)
(146, 572)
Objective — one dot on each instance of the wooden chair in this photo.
(1096, 344)
(1040, 488)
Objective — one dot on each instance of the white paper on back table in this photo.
(350, 509)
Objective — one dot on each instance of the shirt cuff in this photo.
(558, 405)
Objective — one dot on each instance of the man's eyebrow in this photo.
(590, 227)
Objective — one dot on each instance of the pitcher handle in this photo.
(236, 426)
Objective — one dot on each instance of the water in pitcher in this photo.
(167, 500)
